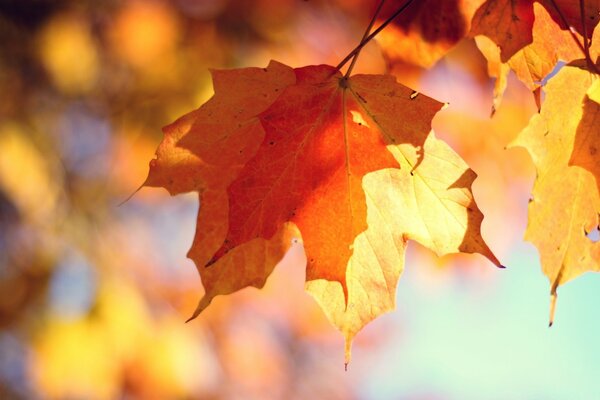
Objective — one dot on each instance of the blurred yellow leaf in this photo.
(25, 174)
(75, 360)
(68, 51)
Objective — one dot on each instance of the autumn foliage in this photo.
(347, 165)
(95, 289)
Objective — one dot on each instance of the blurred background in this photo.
(94, 293)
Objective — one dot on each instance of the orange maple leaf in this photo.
(348, 166)
(322, 135)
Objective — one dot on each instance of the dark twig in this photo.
(373, 34)
(347, 74)
(586, 43)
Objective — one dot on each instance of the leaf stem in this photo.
(353, 63)
(586, 43)
(373, 34)
(553, 297)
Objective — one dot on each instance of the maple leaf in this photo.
(507, 22)
(566, 203)
(301, 166)
(323, 134)
(533, 62)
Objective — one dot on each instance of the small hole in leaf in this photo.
(358, 118)
(594, 235)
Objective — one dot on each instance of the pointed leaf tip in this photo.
(202, 304)
(347, 352)
(194, 315)
(131, 195)
(553, 297)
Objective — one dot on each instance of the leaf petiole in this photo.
(347, 74)
(367, 39)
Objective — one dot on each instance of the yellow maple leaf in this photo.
(429, 201)
(566, 202)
